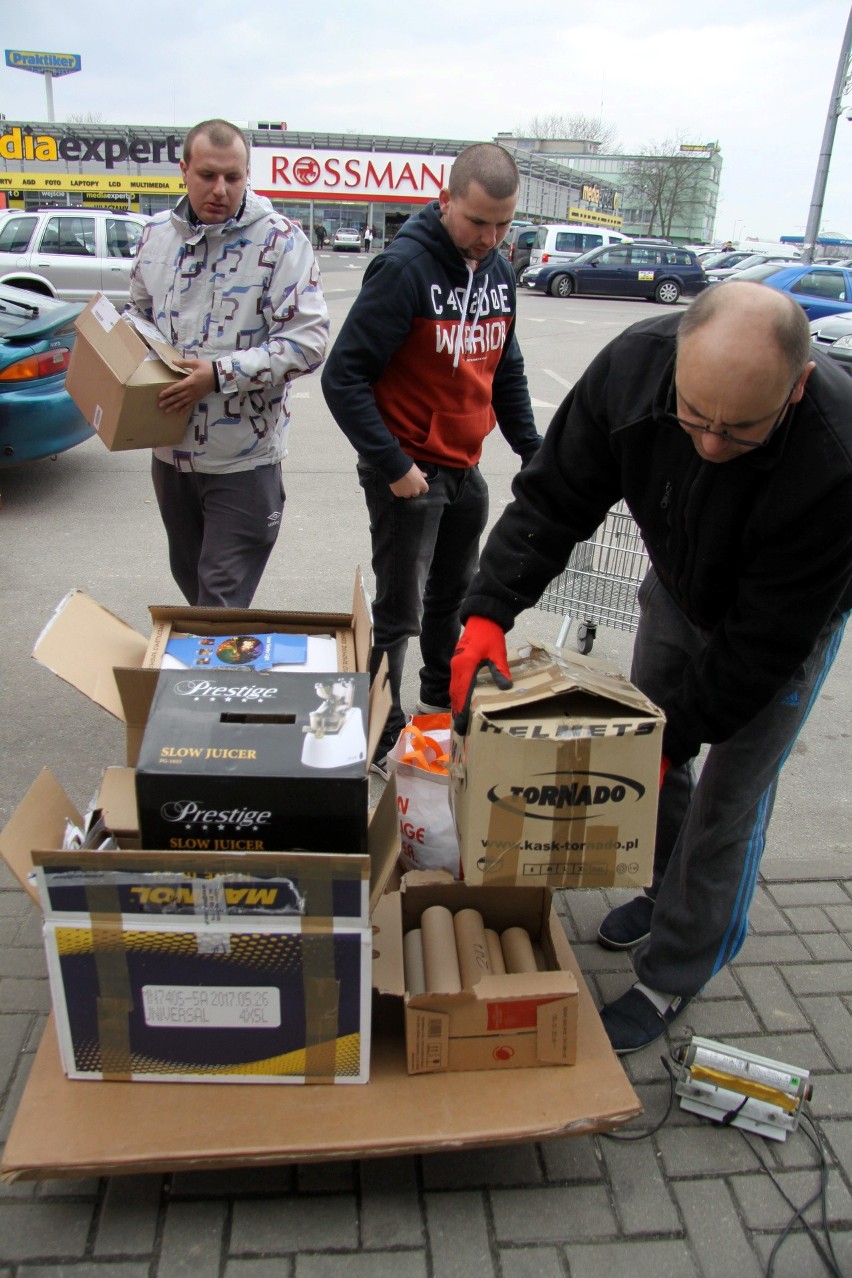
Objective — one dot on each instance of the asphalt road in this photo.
(88, 520)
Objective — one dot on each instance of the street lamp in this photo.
(739, 222)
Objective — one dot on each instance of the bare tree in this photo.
(666, 180)
(86, 117)
(573, 125)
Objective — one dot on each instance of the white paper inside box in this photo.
(556, 780)
(504, 1022)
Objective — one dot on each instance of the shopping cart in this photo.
(600, 580)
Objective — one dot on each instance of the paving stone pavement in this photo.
(688, 1200)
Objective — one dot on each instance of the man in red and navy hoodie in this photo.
(426, 364)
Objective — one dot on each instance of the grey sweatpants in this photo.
(711, 833)
(220, 528)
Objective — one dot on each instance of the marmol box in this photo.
(255, 761)
(556, 780)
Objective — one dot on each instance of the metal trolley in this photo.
(600, 580)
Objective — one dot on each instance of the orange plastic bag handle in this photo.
(424, 752)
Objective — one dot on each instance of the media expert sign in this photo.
(91, 185)
(43, 63)
(373, 175)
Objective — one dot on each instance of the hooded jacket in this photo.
(427, 361)
(245, 294)
(756, 551)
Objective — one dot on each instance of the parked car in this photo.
(623, 270)
(70, 253)
(715, 276)
(517, 246)
(819, 290)
(833, 334)
(563, 242)
(723, 261)
(348, 239)
(38, 418)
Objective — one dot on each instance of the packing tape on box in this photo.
(505, 831)
(115, 999)
(322, 995)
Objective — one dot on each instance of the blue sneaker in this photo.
(633, 1021)
(627, 924)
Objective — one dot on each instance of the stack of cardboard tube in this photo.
(450, 952)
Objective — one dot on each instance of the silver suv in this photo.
(70, 253)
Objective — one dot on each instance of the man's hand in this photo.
(412, 483)
(179, 396)
(482, 643)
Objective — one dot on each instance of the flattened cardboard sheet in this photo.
(81, 1129)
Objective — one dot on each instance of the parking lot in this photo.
(692, 1201)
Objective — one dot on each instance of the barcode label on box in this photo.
(427, 1036)
(212, 1007)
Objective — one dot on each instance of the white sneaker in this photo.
(380, 767)
(423, 707)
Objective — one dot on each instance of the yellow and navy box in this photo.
(252, 761)
(219, 968)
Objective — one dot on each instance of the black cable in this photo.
(651, 1130)
(828, 1257)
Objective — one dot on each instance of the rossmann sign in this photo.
(360, 175)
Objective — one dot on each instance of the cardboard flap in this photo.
(136, 690)
(82, 643)
(154, 341)
(388, 969)
(362, 621)
(37, 822)
(380, 704)
(121, 348)
(542, 673)
(383, 842)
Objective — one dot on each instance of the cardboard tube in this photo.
(440, 960)
(472, 947)
(412, 958)
(518, 950)
(495, 952)
(540, 957)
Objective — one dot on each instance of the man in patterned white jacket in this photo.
(235, 287)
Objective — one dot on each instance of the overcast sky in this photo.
(754, 75)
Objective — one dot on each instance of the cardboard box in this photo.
(117, 668)
(214, 967)
(255, 761)
(505, 1022)
(116, 798)
(556, 781)
(115, 376)
(70, 1128)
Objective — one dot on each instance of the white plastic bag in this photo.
(419, 759)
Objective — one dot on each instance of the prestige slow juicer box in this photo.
(235, 761)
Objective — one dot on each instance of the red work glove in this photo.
(482, 643)
(665, 764)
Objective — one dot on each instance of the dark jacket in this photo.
(427, 361)
(757, 550)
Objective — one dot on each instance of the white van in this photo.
(556, 244)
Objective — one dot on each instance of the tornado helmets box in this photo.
(235, 761)
(556, 780)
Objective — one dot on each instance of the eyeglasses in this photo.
(725, 434)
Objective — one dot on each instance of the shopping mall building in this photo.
(333, 179)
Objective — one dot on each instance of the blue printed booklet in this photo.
(229, 652)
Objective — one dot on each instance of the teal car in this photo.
(38, 418)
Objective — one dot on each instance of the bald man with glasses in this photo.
(731, 442)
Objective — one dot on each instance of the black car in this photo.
(657, 272)
(517, 246)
